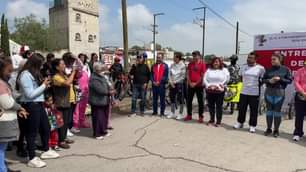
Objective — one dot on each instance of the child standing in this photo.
(55, 121)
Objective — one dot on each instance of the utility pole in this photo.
(125, 35)
(203, 28)
(237, 39)
(154, 34)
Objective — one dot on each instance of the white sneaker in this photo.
(238, 126)
(180, 117)
(296, 138)
(108, 135)
(50, 154)
(75, 130)
(36, 163)
(69, 134)
(252, 129)
(172, 115)
(100, 138)
(133, 115)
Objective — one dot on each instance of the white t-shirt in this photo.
(250, 79)
(216, 77)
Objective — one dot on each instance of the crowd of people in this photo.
(217, 82)
(50, 96)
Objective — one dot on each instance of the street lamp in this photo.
(154, 34)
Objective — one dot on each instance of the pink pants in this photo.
(79, 112)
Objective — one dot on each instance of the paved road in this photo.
(152, 144)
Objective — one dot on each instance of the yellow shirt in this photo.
(59, 80)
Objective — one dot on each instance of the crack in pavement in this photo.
(146, 126)
(149, 153)
(137, 145)
(104, 157)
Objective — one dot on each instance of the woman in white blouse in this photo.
(215, 80)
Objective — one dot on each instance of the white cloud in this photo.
(22, 8)
(104, 18)
(138, 15)
(273, 16)
(255, 17)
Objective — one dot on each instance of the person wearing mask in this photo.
(300, 102)
(234, 84)
(99, 99)
(8, 110)
(141, 77)
(159, 78)
(195, 72)
(251, 74)
(276, 79)
(177, 74)
(215, 80)
(32, 85)
(63, 95)
(79, 119)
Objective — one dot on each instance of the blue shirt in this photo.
(29, 89)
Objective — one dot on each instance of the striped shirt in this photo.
(8, 120)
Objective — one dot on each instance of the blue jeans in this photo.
(138, 92)
(159, 92)
(2, 157)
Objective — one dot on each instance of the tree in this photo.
(5, 36)
(158, 47)
(188, 54)
(137, 48)
(34, 33)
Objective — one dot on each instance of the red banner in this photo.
(294, 58)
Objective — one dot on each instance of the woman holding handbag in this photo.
(8, 110)
(215, 80)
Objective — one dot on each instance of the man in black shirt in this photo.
(140, 74)
(116, 69)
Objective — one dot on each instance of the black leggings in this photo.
(62, 132)
(37, 121)
(300, 112)
(20, 142)
(215, 103)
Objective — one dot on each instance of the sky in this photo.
(176, 28)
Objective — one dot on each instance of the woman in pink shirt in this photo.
(300, 102)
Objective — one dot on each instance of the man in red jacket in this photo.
(195, 73)
(159, 77)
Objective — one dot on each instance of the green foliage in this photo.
(5, 36)
(33, 32)
(137, 48)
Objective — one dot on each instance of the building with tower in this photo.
(75, 25)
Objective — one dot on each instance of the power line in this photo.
(223, 18)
